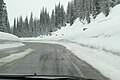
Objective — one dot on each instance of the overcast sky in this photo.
(16, 8)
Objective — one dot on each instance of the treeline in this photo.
(40, 26)
(46, 23)
(4, 22)
(86, 8)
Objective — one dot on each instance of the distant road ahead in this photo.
(50, 59)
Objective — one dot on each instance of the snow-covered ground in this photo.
(99, 44)
(9, 41)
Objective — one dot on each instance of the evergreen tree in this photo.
(75, 9)
(6, 21)
(62, 16)
(14, 27)
(105, 7)
(56, 17)
(97, 6)
(35, 28)
(52, 21)
(31, 25)
(20, 27)
(117, 2)
(2, 18)
(7, 26)
(71, 14)
(26, 27)
(42, 17)
(68, 12)
(59, 16)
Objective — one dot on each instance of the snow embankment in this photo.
(9, 41)
(103, 32)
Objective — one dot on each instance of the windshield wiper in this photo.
(41, 77)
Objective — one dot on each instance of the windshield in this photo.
(60, 38)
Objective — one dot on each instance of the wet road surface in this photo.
(49, 59)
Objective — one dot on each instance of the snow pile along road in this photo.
(6, 36)
(13, 57)
(97, 43)
(9, 41)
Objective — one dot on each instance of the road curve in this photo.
(51, 59)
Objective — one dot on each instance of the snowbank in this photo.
(99, 44)
(6, 36)
(9, 41)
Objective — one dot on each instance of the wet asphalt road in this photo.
(49, 59)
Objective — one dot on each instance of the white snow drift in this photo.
(9, 41)
(6, 36)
